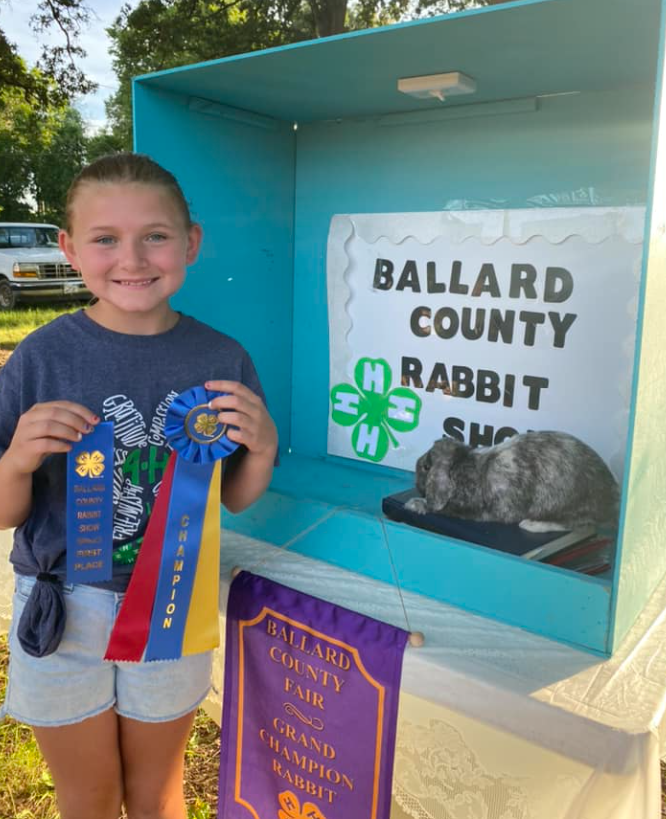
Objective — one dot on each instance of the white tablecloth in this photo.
(494, 722)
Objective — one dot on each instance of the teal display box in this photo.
(271, 146)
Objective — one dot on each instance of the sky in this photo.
(15, 22)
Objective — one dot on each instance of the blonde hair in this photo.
(128, 168)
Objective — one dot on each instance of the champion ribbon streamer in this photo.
(171, 606)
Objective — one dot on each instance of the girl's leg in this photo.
(85, 764)
(153, 756)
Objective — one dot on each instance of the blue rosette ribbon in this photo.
(193, 429)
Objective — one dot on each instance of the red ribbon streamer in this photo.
(130, 632)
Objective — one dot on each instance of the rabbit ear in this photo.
(439, 487)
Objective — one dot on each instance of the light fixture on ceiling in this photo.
(439, 86)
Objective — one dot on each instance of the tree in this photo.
(429, 8)
(159, 34)
(21, 129)
(62, 156)
(42, 139)
(58, 78)
(41, 150)
(102, 144)
(14, 73)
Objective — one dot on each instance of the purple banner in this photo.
(310, 705)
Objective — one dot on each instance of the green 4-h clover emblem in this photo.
(373, 409)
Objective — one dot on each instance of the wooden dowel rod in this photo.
(416, 639)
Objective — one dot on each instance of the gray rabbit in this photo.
(544, 481)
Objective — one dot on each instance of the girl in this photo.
(113, 734)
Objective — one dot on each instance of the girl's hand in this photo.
(46, 429)
(247, 417)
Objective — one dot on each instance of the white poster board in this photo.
(480, 324)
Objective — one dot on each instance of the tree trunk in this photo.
(329, 16)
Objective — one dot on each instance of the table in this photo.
(495, 722)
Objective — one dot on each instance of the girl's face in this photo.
(131, 244)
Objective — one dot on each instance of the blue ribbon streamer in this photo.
(90, 506)
(180, 554)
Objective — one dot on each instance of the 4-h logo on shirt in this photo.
(140, 458)
(373, 409)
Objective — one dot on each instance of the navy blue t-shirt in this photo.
(130, 380)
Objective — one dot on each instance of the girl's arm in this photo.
(246, 479)
(16, 497)
(45, 429)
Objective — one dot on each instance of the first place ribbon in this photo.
(90, 506)
(171, 606)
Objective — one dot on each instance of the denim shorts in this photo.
(75, 683)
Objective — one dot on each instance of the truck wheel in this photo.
(7, 296)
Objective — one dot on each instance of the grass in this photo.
(16, 324)
(27, 788)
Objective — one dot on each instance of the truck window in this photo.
(28, 237)
(46, 237)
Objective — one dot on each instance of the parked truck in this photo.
(32, 266)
